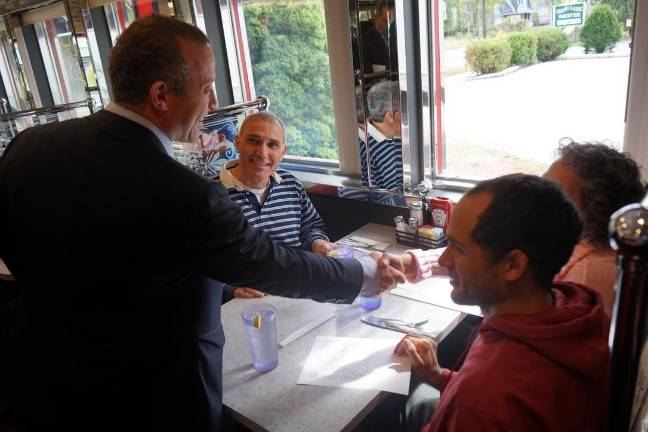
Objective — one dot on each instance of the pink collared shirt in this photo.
(594, 267)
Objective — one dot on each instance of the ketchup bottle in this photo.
(440, 209)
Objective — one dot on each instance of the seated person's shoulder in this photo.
(288, 177)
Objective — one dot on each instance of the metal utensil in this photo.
(389, 325)
(310, 325)
(415, 325)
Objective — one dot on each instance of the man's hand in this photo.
(322, 247)
(422, 352)
(243, 292)
(404, 263)
(389, 275)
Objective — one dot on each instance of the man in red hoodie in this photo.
(539, 361)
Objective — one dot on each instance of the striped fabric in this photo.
(287, 213)
(385, 160)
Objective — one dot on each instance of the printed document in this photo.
(356, 363)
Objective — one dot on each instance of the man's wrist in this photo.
(370, 277)
(439, 377)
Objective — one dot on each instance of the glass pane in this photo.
(60, 56)
(92, 58)
(13, 80)
(122, 13)
(511, 118)
(288, 56)
(200, 17)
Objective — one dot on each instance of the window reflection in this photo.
(92, 58)
(61, 60)
(13, 80)
(121, 14)
(375, 59)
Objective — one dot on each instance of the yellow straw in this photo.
(257, 320)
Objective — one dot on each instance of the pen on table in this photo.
(301, 331)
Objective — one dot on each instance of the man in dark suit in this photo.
(114, 245)
(379, 42)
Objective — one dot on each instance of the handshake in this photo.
(412, 266)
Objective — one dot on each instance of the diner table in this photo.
(274, 401)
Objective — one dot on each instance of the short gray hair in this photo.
(267, 116)
(382, 98)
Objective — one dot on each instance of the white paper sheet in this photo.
(436, 291)
(356, 363)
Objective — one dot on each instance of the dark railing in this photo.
(89, 103)
(261, 103)
(12, 123)
(629, 330)
(223, 121)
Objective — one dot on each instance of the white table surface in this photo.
(273, 401)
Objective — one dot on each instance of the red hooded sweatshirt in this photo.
(537, 372)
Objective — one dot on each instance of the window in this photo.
(61, 60)
(12, 79)
(91, 57)
(513, 120)
(284, 55)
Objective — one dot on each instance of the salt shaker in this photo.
(400, 223)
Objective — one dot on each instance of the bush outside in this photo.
(488, 55)
(601, 30)
(290, 65)
(523, 48)
(552, 42)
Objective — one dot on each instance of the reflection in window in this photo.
(288, 55)
(122, 13)
(14, 83)
(90, 53)
(60, 57)
(200, 17)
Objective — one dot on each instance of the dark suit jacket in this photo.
(374, 50)
(116, 247)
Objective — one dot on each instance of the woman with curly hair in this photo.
(600, 180)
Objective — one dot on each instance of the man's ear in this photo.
(514, 265)
(159, 96)
(237, 140)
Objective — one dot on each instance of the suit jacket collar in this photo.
(126, 130)
(115, 108)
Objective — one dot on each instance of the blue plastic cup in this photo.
(367, 303)
(260, 323)
(370, 303)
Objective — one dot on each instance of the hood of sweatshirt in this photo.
(572, 334)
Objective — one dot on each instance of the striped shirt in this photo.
(385, 160)
(286, 214)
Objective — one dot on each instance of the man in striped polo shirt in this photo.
(382, 137)
(270, 198)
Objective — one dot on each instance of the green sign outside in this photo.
(571, 14)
